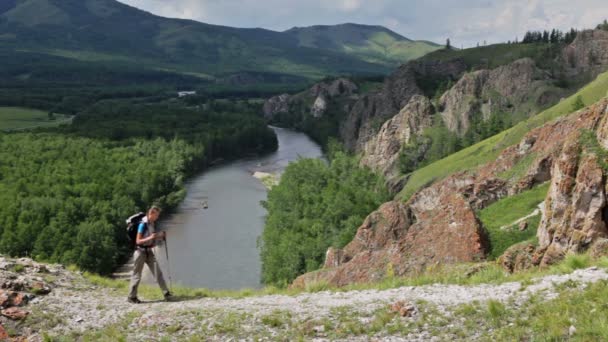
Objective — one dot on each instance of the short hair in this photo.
(155, 208)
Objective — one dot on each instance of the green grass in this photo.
(541, 320)
(489, 149)
(507, 211)
(15, 118)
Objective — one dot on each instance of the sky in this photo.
(465, 22)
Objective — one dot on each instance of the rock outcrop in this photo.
(382, 151)
(275, 105)
(501, 91)
(588, 53)
(313, 101)
(372, 110)
(438, 224)
(575, 214)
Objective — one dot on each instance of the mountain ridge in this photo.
(110, 30)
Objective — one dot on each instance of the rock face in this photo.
(382, 151)
(275, 105)
(502, 90)
(576, 204)
(438, 224)
(369, 112)
(587, 53)
(316, 99)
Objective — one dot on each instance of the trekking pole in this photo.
(168, 265)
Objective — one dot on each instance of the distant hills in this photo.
(374, 44)
(110, 31)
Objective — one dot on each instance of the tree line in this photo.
(554, 36)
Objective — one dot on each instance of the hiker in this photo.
(144, 254)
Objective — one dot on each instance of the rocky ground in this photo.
(48, 301)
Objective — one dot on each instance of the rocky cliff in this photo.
(382, 151)
(368, 114)
(516, 90)
(438, 225)
(587, 54)
(313, 101)
(517, 87)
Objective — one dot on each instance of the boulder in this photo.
(403, 309)
(14, 313)
(519, 257)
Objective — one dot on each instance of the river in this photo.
(216, 247)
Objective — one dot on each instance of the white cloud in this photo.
(464, 21)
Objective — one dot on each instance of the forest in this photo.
(317, 205)
(65, 192)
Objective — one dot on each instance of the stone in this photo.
(4, 336)
(518, 257)
(523, 225)
(40, 288)
(599, 249)
(14, 313)
(403, 309)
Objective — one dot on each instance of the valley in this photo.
(318, 182)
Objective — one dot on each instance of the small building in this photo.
(186, 93)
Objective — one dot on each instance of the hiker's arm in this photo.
(154, 236)
(141, 240)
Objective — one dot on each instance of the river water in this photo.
(216, 247)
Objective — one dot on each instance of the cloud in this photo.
(465, 22)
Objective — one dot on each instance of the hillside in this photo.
(106, 30)
(45, 302)
(374, 44)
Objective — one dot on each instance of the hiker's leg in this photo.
(139, 259)
(156, 272)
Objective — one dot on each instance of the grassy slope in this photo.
(487, 150)
(507, 211)
(12, 118)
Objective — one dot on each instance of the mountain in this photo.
(107, 30)
(374, 44)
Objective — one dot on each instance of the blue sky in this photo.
(466, 22)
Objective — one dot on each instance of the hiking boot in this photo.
(133, 300)
(168, 296)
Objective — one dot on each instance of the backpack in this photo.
(132, 225)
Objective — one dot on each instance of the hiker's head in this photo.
(153, 213)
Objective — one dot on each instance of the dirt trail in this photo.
(87, 307)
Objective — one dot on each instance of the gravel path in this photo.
(88, 307)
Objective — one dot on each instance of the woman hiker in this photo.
(144, 254)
